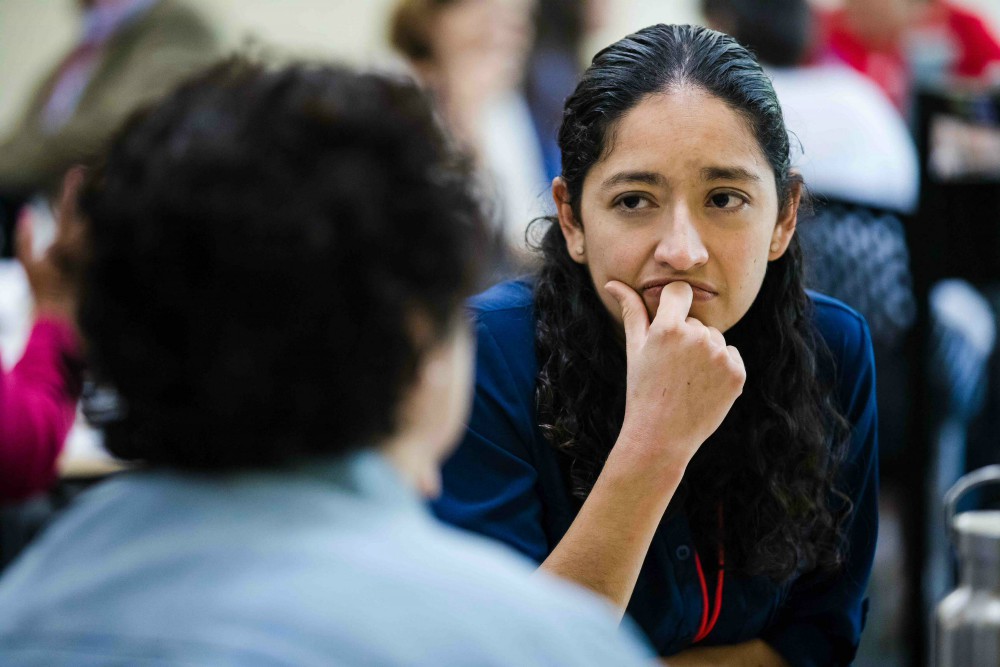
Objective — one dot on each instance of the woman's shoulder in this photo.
(842, 327)
(510, 295)
(848, 340)
(506, 313)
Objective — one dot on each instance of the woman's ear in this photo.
(571, 228)
(784, 228)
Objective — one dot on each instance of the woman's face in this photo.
(685, 193)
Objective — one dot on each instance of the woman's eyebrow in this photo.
(728, 174)
(646, 177)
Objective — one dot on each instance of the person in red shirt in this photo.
(897, 42)
(970, 45)
(867, 35)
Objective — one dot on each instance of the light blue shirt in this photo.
(335, 564)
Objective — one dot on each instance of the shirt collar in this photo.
(367, 473)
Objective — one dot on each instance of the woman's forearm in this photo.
(754, 653)
(606, 544)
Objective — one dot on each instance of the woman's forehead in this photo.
(682, 129)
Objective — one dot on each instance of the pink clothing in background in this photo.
(37, 404)
(969, 47)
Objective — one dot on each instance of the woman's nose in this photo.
(680, 246)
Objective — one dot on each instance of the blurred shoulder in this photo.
(552, 620)
(510, 295)
(835, 319)
(846, 334)
(505, 315)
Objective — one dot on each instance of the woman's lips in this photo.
(700, 294)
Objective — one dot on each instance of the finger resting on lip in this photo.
(675, 302)
(679, 287)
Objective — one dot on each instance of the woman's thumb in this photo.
(633, 310)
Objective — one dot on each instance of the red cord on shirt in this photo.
(708, 624)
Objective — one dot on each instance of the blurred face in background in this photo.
(880, 21)
(597, 14)
(496, 33)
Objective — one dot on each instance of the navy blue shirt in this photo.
(505, 481)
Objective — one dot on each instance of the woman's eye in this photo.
(726, 200)
(632, 202)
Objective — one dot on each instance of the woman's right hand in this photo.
(682, 379)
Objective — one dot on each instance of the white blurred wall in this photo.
(34, 33)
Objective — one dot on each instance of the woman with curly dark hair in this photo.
(607, 441)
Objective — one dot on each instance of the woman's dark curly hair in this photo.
(774, 462)
(259, 244)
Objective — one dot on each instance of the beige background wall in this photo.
(34, 33)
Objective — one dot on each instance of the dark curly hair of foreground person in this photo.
(259, 246)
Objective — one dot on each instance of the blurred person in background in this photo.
(38, 396)
(902, 43)
(275, 263)
(867, 36)
(555, 64)
(662, 413)
(949, 43)
(128, 53)
(471, 55)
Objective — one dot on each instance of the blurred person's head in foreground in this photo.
(276, 270)
(779, 32)
(277, 262)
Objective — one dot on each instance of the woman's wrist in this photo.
(638, 457)
(649, 479)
